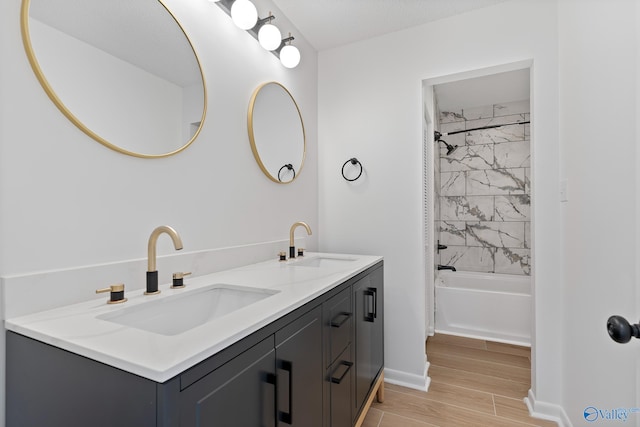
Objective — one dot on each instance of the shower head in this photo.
(450, 148)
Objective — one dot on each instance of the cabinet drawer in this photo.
(340, 379)
(339, 324)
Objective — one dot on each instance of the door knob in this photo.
(620, 330)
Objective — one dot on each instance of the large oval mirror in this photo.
(123, 71)
(276, 132)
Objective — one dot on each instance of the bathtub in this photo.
(495, 307)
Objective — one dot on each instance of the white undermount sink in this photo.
(176, 314)
(322, 261)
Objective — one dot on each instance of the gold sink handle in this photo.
(117, 293)
(178, 282)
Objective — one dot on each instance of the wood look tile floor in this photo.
(473, 383)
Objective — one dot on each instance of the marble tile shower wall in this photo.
(485, 198)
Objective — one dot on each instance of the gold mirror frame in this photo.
(26, 40)
(252, 137)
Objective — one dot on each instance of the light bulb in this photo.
(290, 56)
(269, 37)
(244, 14)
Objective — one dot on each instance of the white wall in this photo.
(598, 113)
(370, 106)
(67, 201)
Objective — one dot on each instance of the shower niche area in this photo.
(482, 207)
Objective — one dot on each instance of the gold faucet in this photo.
(152, 273)
(292, 248)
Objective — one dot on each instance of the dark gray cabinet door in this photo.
(369, 334)
(300, 371)
(241, 393)
(47, 386)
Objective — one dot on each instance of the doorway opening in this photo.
(477, 204)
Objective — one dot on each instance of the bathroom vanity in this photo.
(308, 354)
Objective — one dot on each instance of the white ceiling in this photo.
(330, 23)
(480, 91)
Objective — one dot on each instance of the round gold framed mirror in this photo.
(123, 71)
(276, 132)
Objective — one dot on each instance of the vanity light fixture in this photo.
(245, 15)
(289, 54)
(269, 35)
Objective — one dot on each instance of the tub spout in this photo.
(446, 267)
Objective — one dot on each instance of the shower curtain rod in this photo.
(484, 127)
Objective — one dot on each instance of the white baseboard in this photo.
(405, 379)
(547, 411)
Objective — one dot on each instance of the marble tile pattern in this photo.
(507, 133)
(484, 189)
(513, 208)
(507, 155)
(491, 182)
(467, 208)
(468, 157)
(453, 233)
(507, 108)
(468, 258)
(452, 184)
(485, 111)
(436, 196)
(451, 117)
(493, 234)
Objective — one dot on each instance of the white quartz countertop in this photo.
(158, 357)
